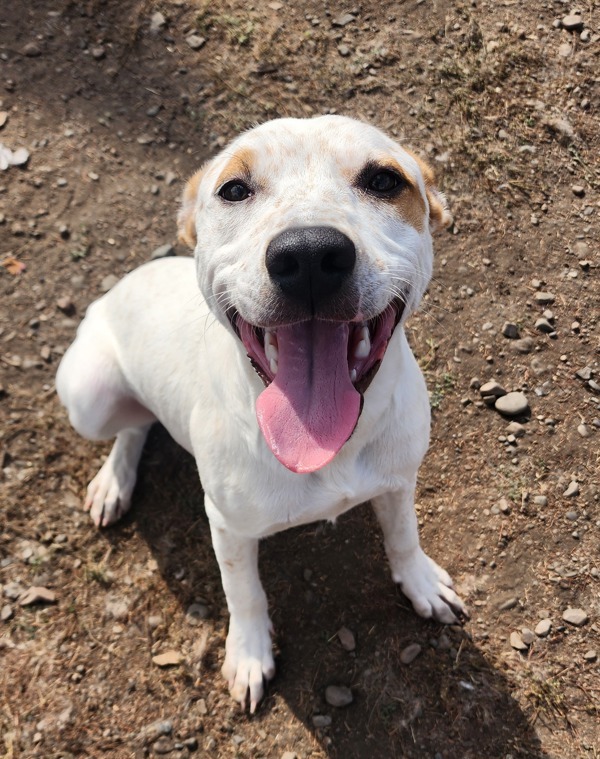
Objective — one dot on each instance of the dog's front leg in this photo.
(248, 651)
(428, 586)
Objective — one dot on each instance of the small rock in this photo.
(108, 282)
(6, 613)
(116, 608)
(157, 21)
(343, 19)
(576, 617)
(517, 642)
(590, 655)
(543, 628)
(578, 190)
(196, 613)
(585, 373)
(510, 603)
(12, 590)
(492, 389)
(583, 430)
(338, 695)
(540, 500)
(343, 50)
(154, 621)
(524, 345)
(572, 516)
(31, 50)
(504, 506)
(163, 746)
(516, 429)
(290, 754)
(346, 638)
(168, 659)
(321, 720)
(37, 594)
(544, 298)
(565, 50)
(19, 157)
(65, 305)
(162, 251)
(510, 330)
(410, 653)
(195, 41)
(153, 732)
(572, 489)
(543, 325)
(98, 52)
(527, 635)
(512, 404)
(572, 23)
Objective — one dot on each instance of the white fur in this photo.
(158, 346)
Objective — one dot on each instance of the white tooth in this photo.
(363, 347)
(273, 365)
(353, 375)
(271, 351)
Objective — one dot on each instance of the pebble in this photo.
(584, 374)
(154, 620)
(163, 746)
(576, 617)
(339, 695)
(544, 298)
(590, 655)
(510, 330)
(108, 282)
(31, 50)
(565, 50)
(410, 653)
(157, 21)
(512, 404)
(153, 732)
(572, 516)
(572, 490)
(346, 638)
(343, 19)
(116, 608)
(289, 755)
(65, 305)
(517, 642)
(543, 628)
(6, 613)
(504, 506)
(510, 603)
(168, 659)
(98, 52)
(572, 23)
(516, 429)
(540, 500)
(578, 190)
(196, 613)
(583, 430)
(343, 50)
(195, 41)
(543, 325)
(37, 594)
(527, 635)
(492, 389)
(524, 345)
(3, 118)
(162, 251)
(321, 720)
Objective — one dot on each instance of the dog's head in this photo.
(313, 242)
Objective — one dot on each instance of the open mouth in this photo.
(315, 373)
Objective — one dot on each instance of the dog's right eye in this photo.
(234, 191)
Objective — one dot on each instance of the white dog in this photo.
(277, 357)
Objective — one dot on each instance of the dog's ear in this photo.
(186, 223)
(439, 215)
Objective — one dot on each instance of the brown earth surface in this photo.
(502, 99)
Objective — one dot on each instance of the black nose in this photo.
(310, 264)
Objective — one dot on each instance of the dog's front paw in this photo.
(108, 495)
(248, 659)
(429, 588)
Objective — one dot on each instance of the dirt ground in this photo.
(117, 106)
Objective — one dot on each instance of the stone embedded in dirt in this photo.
(572, 516)
(524, 345)
(540, 500)
(527, 635)
(512, 404)
(491, 390)
(504, 506)
(583, 430)
(12, 590)
(508, 604)
(543, 298)
(576, 617)
(153, 732)
(108, 282)
(31, 50)
(510, 330)
(573, 22)
(154, 620)
(572, 489)
(116, 608)
(565, 49)
(543, 325)
(168, 659)
(163, 746)
(98, 52)
(590, 655)
(343, 19)
(585, 373)
(37, 594)
(289, 755)
(410, 653)
(578, 190)
(543, 627)
(157, 21)
(162, 251)
(196, 613)
(66, 305)
(516, 428)
(321, 720)
(195, 41)
(594, 385)
(516, 641)
(338, 695)
(346, 638)
(343, 50)
(6, 613)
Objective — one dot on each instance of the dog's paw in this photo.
(430, 589)
(108, 495)
(248, 660)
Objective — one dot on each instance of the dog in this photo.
(276, 356)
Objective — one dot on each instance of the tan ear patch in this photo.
(239, 166)
(186, 223)
(439, 215)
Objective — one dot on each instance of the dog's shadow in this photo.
(450, 701)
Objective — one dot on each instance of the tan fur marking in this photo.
(186, 223)
(439, 215)
(409, 202)
(239, 166)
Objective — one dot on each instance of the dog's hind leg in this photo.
(423, 582)
(101, 405)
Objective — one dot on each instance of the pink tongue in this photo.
(311, 408)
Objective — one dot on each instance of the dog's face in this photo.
(313, 241)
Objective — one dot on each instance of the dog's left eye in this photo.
(384, 182)
(234, 191)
